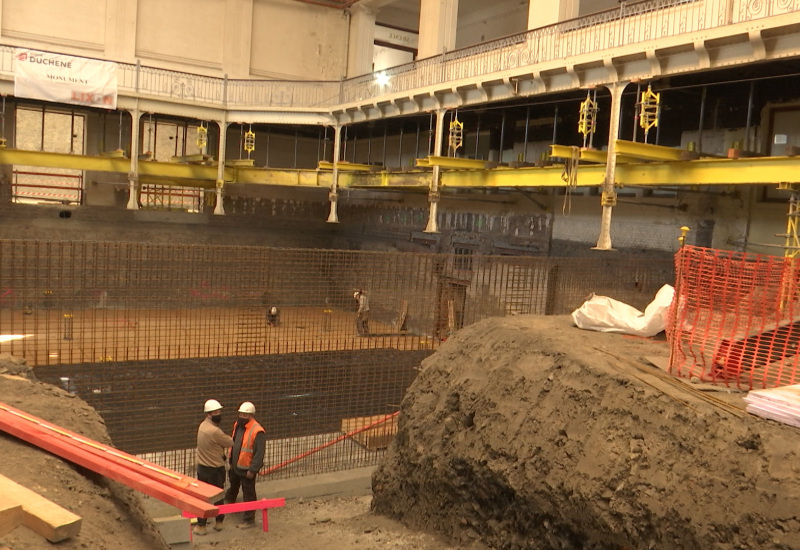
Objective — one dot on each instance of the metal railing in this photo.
(631, 23)
(54, 187)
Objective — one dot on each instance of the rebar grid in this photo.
(147, 332)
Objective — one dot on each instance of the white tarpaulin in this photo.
(605, 314)
(65, 79)
(780, 404)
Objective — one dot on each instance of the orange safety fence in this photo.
(735, 318)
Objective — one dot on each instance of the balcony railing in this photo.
(632, 23)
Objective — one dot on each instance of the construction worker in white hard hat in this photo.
(362, 313)
(247, 458)
(211, 445)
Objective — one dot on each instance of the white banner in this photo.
(396, 37)
(65, 79)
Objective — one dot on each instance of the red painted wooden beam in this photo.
(35, 434)
(186, 484)
(264, 504)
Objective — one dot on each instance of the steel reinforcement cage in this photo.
(146, 333)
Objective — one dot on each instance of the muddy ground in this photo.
(528, 433)
(519, 433)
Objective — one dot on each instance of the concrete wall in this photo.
(479, 26)
(241, 38)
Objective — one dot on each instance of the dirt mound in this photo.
(113, 517)
(527, 432)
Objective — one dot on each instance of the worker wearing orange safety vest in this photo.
(246, 459)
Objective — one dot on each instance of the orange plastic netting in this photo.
(735, 318)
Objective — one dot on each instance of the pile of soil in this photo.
(522, 432)
(112, 514)
(529, 433)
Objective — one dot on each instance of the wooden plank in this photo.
(40, 515)
(378, 437)
(32, 433)
(10, 515)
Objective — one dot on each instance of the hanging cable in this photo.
(570, 177)
(150, 136)
(3, 130)
(119, 138)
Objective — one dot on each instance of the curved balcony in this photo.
(638, 40)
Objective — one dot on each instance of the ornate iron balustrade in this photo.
(631, 23)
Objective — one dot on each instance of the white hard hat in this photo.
(247, 408)
(356, 293)
(211, 406)
(273, 310)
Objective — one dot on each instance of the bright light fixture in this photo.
(9, 337)
(382, 79)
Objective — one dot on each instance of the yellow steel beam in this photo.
(387, 180)
(784, 171)
(589, 155)
(62, 160)
(272, 176)
(453, 162)
(166, 170)
(743, 171)
(348, 166)
(646, 151)
(590, 175)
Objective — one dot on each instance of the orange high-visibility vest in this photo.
(248, 441)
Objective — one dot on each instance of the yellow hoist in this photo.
(249, 141)
(202, 137)
(649, 110)
(456, 135)
(587, 123)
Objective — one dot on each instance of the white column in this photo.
(219, 209)
(333, 196)
(133, 175)
(361, 45)
(548, 12)
(433, 194)
(609, 197)
(238, 38)
(438, 21)
(120, 39)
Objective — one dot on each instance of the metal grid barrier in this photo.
(147, 332)
(735, 319)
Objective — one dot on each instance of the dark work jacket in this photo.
(259, 448)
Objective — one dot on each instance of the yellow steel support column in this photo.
(133, 175)
(791, 248)
(433, 195)
(609, 197)
(333, 196)
(791, 242)
(219, 209)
